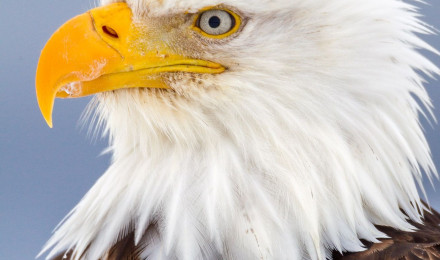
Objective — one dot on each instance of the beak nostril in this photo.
(110, 31)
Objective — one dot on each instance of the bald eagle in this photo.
(252, 129)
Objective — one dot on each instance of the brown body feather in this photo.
(423, 244)
(122, 250)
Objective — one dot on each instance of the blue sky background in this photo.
(44, 172)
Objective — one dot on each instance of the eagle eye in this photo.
(217, 23)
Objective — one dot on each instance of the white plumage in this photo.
(308, 140)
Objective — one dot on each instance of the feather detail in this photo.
(421, 244)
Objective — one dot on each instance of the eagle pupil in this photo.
(214, 22)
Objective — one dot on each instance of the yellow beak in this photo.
(98, 51)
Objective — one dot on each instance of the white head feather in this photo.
(308, 140)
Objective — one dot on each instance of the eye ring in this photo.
(217, 23)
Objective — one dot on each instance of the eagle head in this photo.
(270, 129)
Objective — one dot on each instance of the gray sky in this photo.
(44, 172)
